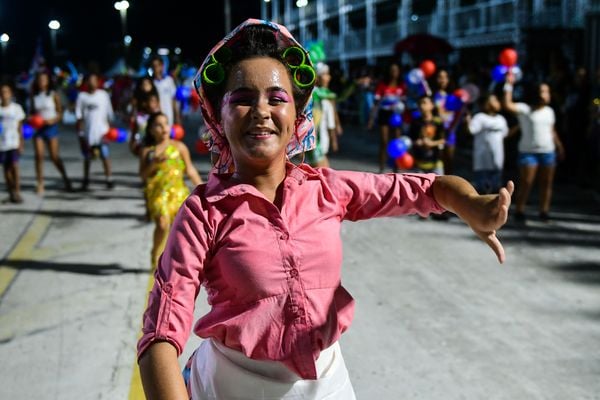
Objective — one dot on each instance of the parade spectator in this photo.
(327, 121)
(166, 87)
(94, 113)
(263, 237)
(45, 102)
(489, 129)
(388, 100)
(539, 144)
(429, 137)
(11, 141)
(147, 105)
(451, 119)
(163, 164)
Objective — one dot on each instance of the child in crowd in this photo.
(428, 135)
(163, 163)
(489, 130)
(11, 141)
(94, 112)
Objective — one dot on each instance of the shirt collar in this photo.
(220, 186)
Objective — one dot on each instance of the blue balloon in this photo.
(415, 114)
(395, 120)
(396, 148)
(28, 131)
(183, 93)
(499, 73)
(453, 103)
(121, 135)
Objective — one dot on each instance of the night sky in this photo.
(91, 29)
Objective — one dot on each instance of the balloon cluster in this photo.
(508, 63)
(187, 96)
(398, 151)
(416, 77)
(118, 135)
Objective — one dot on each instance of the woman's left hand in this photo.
(490, 213)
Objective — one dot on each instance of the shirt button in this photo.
(294, 273)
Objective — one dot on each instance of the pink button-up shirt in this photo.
(273, 277)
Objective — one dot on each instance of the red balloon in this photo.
(428, 68)
(201, 147)
(406, 161)
(36, 121)
(177, 132)
(463, 95)
(112, 134)
(508, 57)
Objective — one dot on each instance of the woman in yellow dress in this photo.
(163, 165)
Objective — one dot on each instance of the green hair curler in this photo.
(213, 74)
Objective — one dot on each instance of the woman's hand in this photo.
(489, 213)
(485, 214)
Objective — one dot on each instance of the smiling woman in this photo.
(263, 237)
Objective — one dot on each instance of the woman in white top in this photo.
(46, 102)
(539, 145)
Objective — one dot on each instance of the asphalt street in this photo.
(437, 317)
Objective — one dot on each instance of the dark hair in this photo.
(257, 41)
(157, 58)
(531, 93)
(140, 95)
(35, 88)
(148, 137)
(388, 74)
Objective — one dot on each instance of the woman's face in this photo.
(146, 85)
(394, 71)
(5, 93)
(160, 129)
(258, 111)
(43, 81)
(442, 79)
(545, 93)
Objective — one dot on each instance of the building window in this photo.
(386, 12)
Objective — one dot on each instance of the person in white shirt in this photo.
(489, 130)
(165, 85)
(11, 141)
(94, 112)
(46, 103)
(539, 144)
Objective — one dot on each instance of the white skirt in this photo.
(220, 373)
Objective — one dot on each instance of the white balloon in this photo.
(407, 141)
(517, 72)
(399, 107)
(415, 76)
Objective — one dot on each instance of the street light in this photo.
(54, 26)
(301, 3)
(4, 38)
(121, 7)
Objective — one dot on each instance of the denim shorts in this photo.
(534, 159)
(47, 132)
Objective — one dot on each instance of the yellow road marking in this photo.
(136, 390)
(23, 250)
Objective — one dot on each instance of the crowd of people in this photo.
(278, 310)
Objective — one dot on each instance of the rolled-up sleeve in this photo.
(365, 195)
(170, 311)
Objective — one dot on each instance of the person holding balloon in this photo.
(45, 110)
(12, 141)
(429, 138)
(387, 110)
(94, 113)
(163, 164)
(263, 237)
(539, 144)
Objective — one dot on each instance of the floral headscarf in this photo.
(303, 138)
